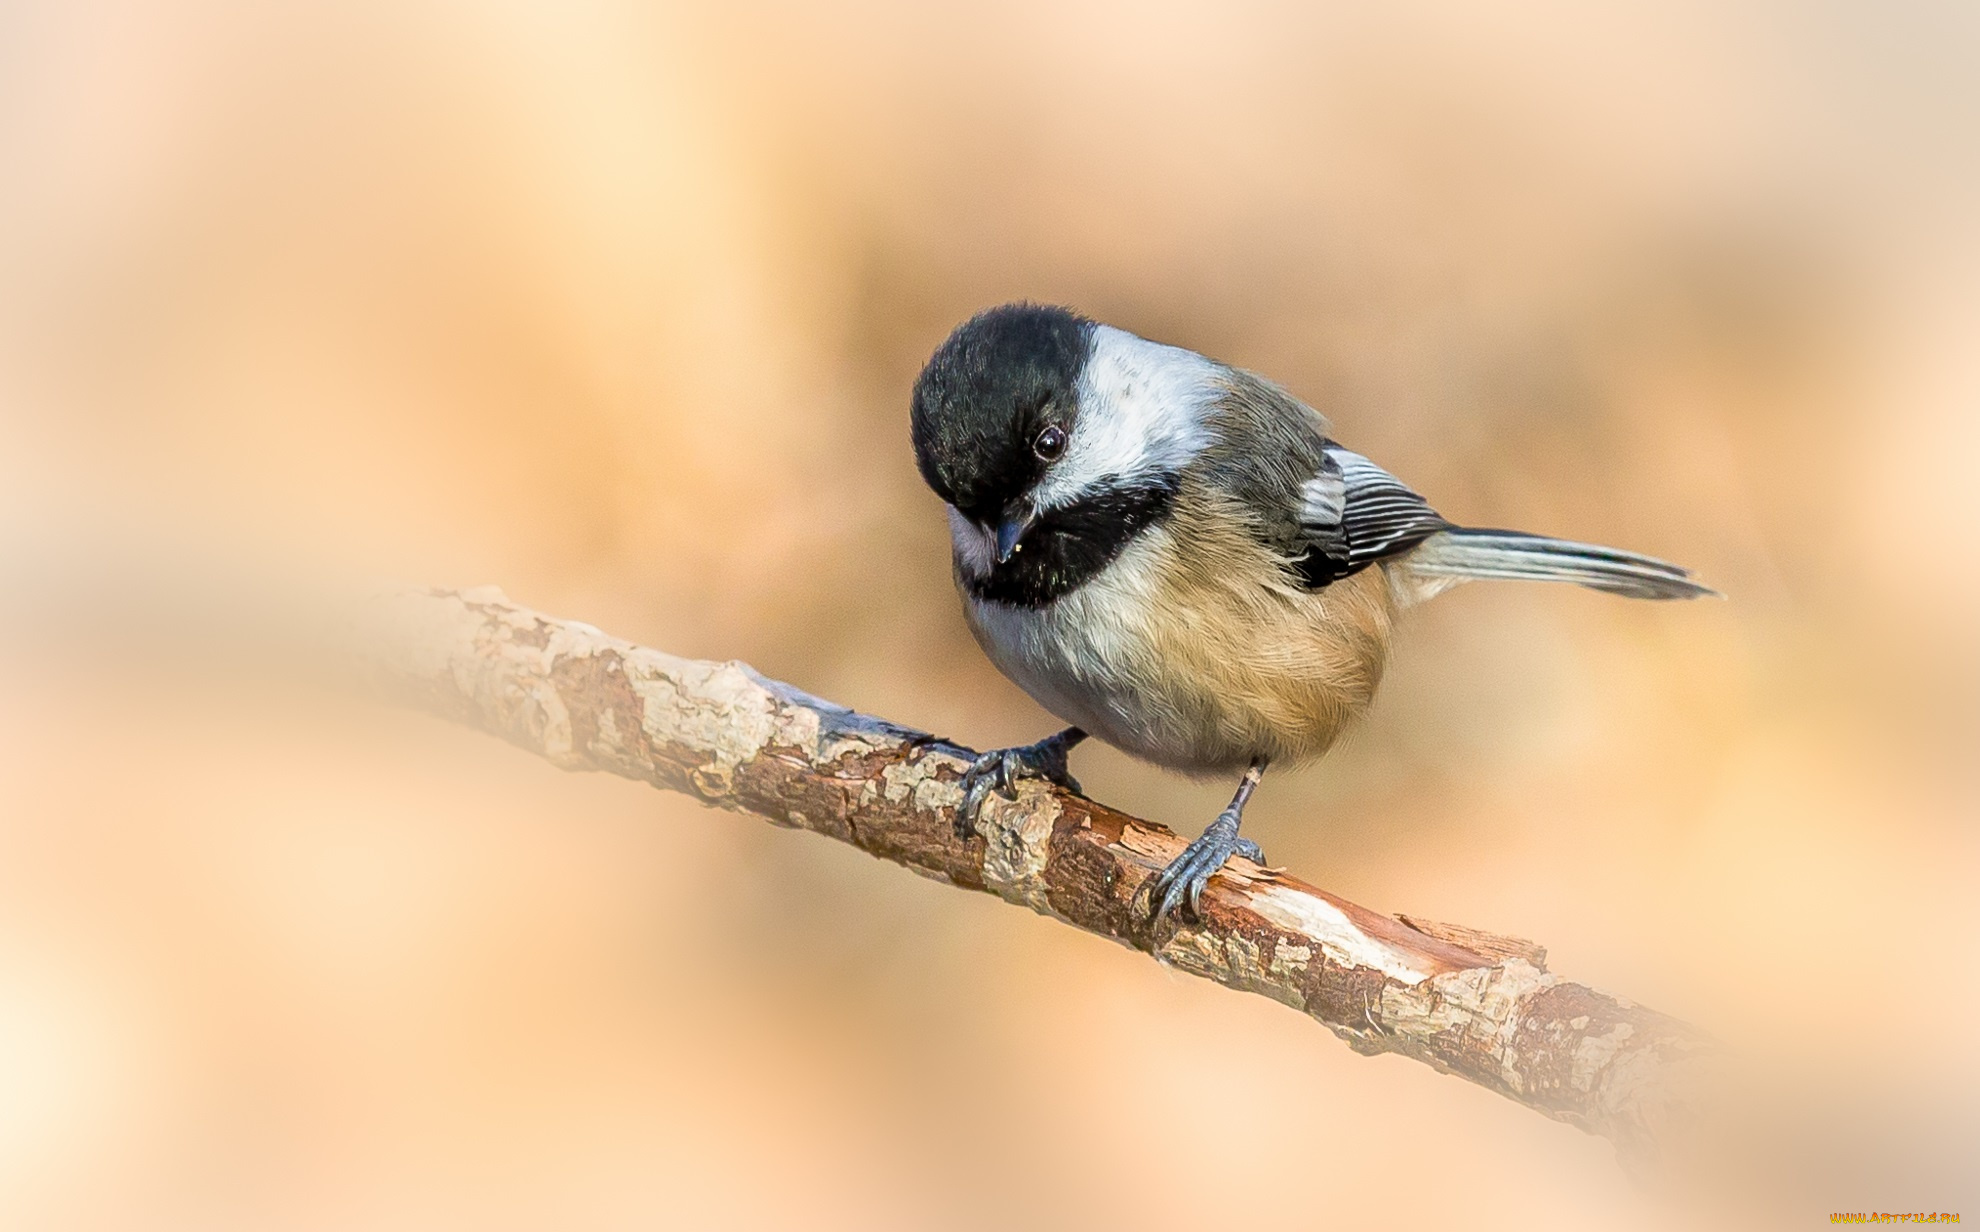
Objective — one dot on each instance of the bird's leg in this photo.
(1185, 876)
(1000, 769)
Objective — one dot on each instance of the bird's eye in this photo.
(1050, 443)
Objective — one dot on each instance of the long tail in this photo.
(1457, 554)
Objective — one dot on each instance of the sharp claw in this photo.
(1170, 891)
(975, 784)
(1173, 884)
(1250, 851)
(974, 793)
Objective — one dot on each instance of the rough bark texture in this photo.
(1468, 1002)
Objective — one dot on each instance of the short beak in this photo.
(1011, 530)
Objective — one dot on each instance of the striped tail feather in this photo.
(1461, 553)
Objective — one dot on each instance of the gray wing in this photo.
(1330, 510)
(1353, 513)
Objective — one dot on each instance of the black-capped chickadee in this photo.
(1173, 555)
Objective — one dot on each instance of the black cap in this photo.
(985, 395)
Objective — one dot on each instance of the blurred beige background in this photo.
(617, 306)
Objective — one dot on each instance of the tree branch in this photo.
(1464, 1001)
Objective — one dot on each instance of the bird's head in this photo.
(1055, 441)
(995, 411)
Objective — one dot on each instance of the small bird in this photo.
(1175, 556)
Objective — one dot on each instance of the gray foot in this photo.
(1189, 872)
(1000, 769)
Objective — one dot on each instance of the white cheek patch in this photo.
(1141, 410)
(976, 548)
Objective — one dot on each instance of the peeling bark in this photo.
(1467, 1002)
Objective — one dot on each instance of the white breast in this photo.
(1090, 658)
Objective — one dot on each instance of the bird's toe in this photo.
(1000, 769)
(1184, 878)
(989, 772)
